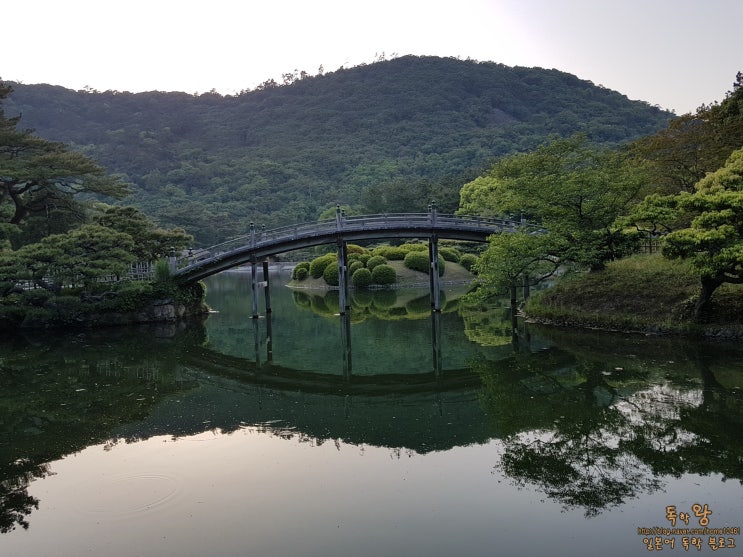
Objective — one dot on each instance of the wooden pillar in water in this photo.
(433, 272)
(253, 274)
(344, 303)
(346, 345)
(266, 287)
(254, 288)
(257, 343)
(436, 341)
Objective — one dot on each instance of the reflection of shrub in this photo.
(332, 301)
(384, 298)
(468, 261)
(296, 271)
(317, 266)
(374, 261)
(362, 298)
(319, 305)
(450, 254)
(383, 274)
(361, 278)
(301, 299)
(330, 275)
(419, 305)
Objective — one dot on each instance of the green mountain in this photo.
(388, 136)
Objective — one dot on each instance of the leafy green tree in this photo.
(692, 145)
(150, 242)
(41, 178)
(713, 241)
(81, 256)
(573, 189)
(511, 259)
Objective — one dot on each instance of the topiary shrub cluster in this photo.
(468, 261)
(361, 266)
(361, 278)
(302, 268)
(330, 275)
(383, 275)
(374, 261)
(414, 255)
(390, 253)
(318, 265)
(450, 254)
(419, 261)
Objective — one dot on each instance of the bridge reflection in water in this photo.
(264, 345)
(356, 342)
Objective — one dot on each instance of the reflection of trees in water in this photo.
(65, 393)
(592, 435)
(15, 502)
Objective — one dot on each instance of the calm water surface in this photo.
(392, 433)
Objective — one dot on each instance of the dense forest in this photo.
(388, 136)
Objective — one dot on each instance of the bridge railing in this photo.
(258, 237)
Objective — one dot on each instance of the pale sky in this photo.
(677, 54)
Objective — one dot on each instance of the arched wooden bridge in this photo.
(258, 245)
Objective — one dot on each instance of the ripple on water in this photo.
(125, 496)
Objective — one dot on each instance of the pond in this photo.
(391, 432)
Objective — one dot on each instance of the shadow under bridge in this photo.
(259, 245)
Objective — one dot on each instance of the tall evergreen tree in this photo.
(42, 180)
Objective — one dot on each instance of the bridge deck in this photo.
(260, 244)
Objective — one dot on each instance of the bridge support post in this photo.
(433, 272)
(266, 287)
(436, 344)
(343, 292)
(346, 343)
(254, 288)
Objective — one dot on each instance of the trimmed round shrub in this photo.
(390, 253)
(364, 257)
(355, 266)
(301, 273)
(468, 261)
(414, 247)
(450, 254)
(301, 265)
(374, 261)
(417, 261)
(361, 278)
(317, 266)
(330, 275)
(383, 274)
(355, 249)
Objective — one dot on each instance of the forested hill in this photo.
(387, 136)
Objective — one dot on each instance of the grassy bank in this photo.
(646, 293)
